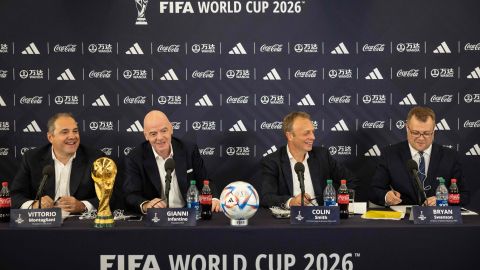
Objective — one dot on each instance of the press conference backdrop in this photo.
(226, 72)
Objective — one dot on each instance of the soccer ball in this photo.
(239, 202)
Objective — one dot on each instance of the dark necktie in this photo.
(421, 168)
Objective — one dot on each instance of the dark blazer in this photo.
(28, 178)
(142, 179)
(277, 180)
(392, 172)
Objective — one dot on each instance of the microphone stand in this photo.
(168, 180)
(302, 187)
(419, 188)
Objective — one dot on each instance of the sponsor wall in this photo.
(226, 72)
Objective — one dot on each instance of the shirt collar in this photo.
(292, 159)
(157, 156)
(413, 151)
(55, 158)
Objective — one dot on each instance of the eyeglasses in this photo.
(417, 134)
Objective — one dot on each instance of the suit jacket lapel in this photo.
(433, 165)
(78, 171)
(287, 169)
(179, 155)
(151, 168)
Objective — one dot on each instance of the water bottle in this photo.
(329, 194)
(441, 193)
(192, 198)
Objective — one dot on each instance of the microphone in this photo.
(169, 168)
(412, 167)
(47, 171)
(300, 169)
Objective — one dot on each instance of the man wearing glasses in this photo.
(393, 183)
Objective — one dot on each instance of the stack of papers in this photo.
(379, 214)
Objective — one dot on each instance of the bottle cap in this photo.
(454, 180)
(192, 182)
(441, 180)
(4, 184)
(343, 182)
(206, 182)
(329, 181)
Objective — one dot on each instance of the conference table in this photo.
(266, 243)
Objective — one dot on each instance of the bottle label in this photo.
(454, 198)
(329, 202)
(206, 199)
(442, 203)
(5, 202)
(194, 205)
(343, 198)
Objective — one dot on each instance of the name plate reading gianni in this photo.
(314, 215)
(171, 217)
(36, 218)
(436, 215)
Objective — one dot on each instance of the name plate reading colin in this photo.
(171, 217)
(314, 215)
(36, 218)
(436, 215)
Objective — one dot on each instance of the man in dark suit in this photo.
(393, 183)
(280, 185)
(145, 167)
(70, 187)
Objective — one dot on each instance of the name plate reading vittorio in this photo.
(436, 215)
(36, 218)
(314, 215)
(171, 217)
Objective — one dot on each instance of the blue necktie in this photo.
(421, 169)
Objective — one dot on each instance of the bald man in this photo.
(145, 167)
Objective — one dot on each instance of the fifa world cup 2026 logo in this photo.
(103, 174)
(141, 8)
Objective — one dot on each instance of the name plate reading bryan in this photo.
(36, 218)
(314, 215)
(432, 215)
(171, 217)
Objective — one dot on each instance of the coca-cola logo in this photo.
(374, 124)
(340, 100)
(373, 48)
(174, 48)
(107, 151)
(3, 151)
(272, 125)
(237, 100)
(31, 100)
(207, 74)
(412, 73)
(207, 151)
(134, 100)
(3, 74)
(25, 149)
(306, 74)
(104, 74)
(70, 48)
(442, 99)
(471, 124)
(472, 47)
(275, 48)
(127, 150)
(176, 125)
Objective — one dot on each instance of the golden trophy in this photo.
(103, 174)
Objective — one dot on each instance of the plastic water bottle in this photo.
(329, 194)
(442, 193)
(192, 198)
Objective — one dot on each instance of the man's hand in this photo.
(431, 201)
(297, 200)
(155, 203)
(216, 205)
(70, 204)
(47, 202)
(393, 197)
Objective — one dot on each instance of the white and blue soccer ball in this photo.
(239, 201)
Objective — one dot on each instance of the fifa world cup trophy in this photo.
(103, 174)
(141, 8)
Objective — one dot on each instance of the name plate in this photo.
(171, 217)
(432, 215)
(36, 218)
(314, 215)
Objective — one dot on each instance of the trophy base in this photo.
(239, 222)
(104, 222)
(141, 21)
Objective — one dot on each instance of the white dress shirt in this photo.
(176, 198)
(306, 175)
(426, 156)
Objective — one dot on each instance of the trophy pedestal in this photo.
(141, 21)
(104, 221)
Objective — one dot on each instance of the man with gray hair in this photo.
(70, 186)
(280, 185)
